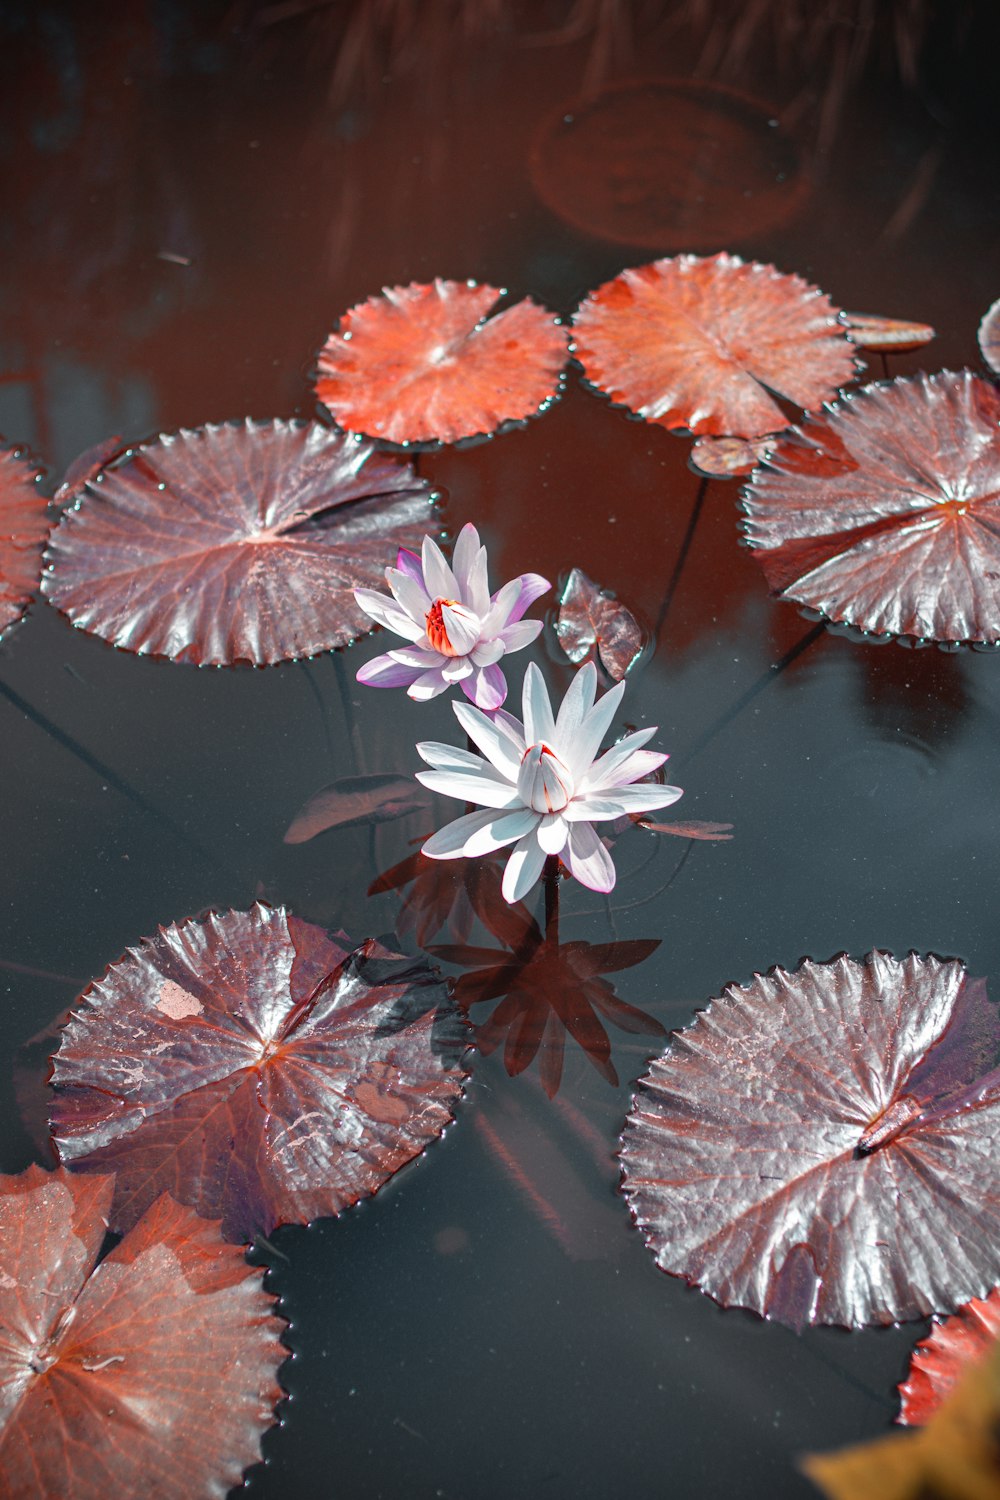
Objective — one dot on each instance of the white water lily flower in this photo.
(543, 785)
(459, 630)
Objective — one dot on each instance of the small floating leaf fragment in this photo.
(24, 525)
(592, 621)
(820, 1145)
(428, 363)
(883, 510)
(86, 467)
(699, 344)
(239, 542)
(887, 335)
(712, 832)
(940, 1360)
(354, 802)
(284, 1079)
(728, 457)
(989, 337)
(154, 1366)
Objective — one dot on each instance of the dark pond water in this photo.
(193, 194)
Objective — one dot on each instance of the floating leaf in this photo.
(255, 1070)
(940, 1360)
(24, 525)
(728, 457)
(820, 1146)
(240, 542)
(592, 621)
(356, 801)
(956, 1457)
(887, 335)
(883, 511)
(989, 337)
(698, 343)
(712, 832)
(152, 1372)
(87, 467)
(428, 363)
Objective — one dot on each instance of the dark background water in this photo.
(193, 195)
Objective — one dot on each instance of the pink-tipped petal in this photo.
(516, 637)
(523, 868)
(539, 723)
(408, 562)
(384, 672)
(487, 688)
(387, 612)
(499, 613)
(420, 657)
(589, 862)
(531, 587)
(610, 769)
(428, 685)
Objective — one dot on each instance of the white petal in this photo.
(463, 560)
(589, 862)
(515, 637)
(602, 772)
(531, 587)
(428, 685)
(449, 757)
(412, 597)
(505, 828)
(421, 657)
(449, 842)
(487, 652)
(523, 868)
(538, 721)
(439, 580)
(497, 741)
(614, 802)
(553, 831)
(454, 668)
(487, 688)
(462, 628)
(478, 586)
(503, 604)
(575, 707)
(584, 744)
(384, 672)
(483, 787)
(387, 612)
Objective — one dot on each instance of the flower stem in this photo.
(682, 556)
(551, 878)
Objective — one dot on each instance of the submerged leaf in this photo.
(698, 343)
(820, 1146)
(428, 363)
(256, 1070)
(356, 801)
(956, 1457)
(24, 525)
(887, 335)
(940, 1360)
(883, 511)
(231, 543)
(592, 621)
(989, 337)
(152, 1372)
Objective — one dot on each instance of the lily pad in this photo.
(820, 1145)
(883, 511)
(698, 344)
(887, 335)
(989, 337)
(235, 543)
(592, 622)
(256, 1070)
(728, 457)
(428, 363)
(940, 1360)
(152, 1371)
(24, 525)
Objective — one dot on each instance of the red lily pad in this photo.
(24, 525)
(429, 364)
(354, 802)
(989, 337)
(940, 1360)
(820, 1146)
(256, 1070)
(697, 343)
(887, 335)
(152, 1371)
(728, 457)
(883, 511)
(592, 622)
(237, 542)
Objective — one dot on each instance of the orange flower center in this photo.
(435, 627)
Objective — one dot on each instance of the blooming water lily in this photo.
(459, 630)
(542, 784)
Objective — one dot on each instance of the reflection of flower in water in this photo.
(548, 988)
